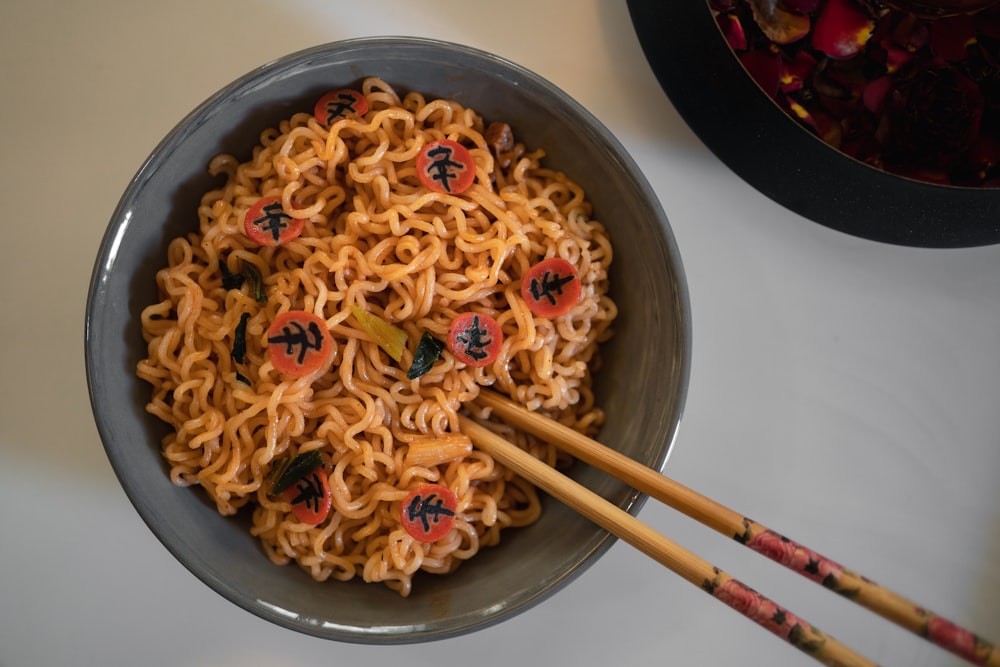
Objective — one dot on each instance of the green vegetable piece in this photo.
(230, 280)
(240, 339)
(242, 378)
(428, 351)
(389, 337)
(292, 469)
(256, 282)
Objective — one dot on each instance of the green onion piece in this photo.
(230, 280)
(292, 469)
(240, 339)
(242, 378)
(428, 351)
(256, 282)
(390, 338)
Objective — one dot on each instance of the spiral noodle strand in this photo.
(374, 237)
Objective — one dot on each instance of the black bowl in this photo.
(755, 138)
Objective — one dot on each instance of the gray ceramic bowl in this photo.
(642, 385)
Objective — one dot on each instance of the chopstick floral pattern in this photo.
(796, 557)
(728, 522)
(961, 642)
(832, 575)
(766, 613)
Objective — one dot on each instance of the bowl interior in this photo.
(648, 358)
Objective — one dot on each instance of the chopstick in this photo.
(798, 558)
(801, 634)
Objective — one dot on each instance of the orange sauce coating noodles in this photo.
(373, 237)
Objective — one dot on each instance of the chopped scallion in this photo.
(240, 339)
(230, 280)
(256, 282)
(428, 351)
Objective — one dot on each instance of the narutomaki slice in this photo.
(267, 224)
(299, 342)
(446, 166)
(551, 288)
(475, 339)
(428, 512)
(338, 104)
(310, 497)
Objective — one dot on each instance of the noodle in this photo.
(373, 237)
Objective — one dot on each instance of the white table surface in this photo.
(842, 391)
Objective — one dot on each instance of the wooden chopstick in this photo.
(795, 630)
(798, 558)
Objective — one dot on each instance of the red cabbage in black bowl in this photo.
(865, 118)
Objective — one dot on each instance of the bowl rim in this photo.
(119, 223)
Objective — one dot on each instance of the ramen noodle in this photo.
(339, 220)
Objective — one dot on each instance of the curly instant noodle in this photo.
(373, 237)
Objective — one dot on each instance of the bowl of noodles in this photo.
(317, 272)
